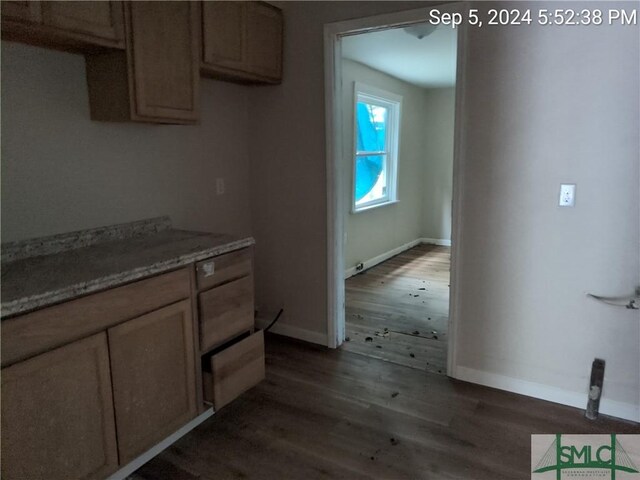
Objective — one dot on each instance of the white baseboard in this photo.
(137, 462)
(613, 408)
(437, 241)
(293, 332)
(372, 262)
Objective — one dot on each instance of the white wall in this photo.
(437, 186)
(373, 232)
(545, 105)
(63, 172)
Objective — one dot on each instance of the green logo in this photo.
(608, 455)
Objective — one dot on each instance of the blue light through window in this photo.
(377, 116)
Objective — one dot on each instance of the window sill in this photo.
(371, 207)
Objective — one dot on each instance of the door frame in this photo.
(337, 205)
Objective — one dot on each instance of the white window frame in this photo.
(393, 103)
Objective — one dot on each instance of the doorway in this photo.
(397, 299)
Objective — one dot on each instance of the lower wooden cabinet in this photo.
(93, 402)
(226, 311)
(229, 373)
(57, 414)
(153, 371)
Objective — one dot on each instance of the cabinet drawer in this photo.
(218, 270)
(225, 311)
(234, 370)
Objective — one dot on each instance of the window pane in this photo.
(372, 127)
(371, 178)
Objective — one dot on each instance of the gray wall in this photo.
(437, 187)
(376, 231)
(425, 168)
(289, 211)
(545, 105)
(63, 172)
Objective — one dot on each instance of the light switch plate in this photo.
(567, 195)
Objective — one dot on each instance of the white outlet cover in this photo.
(567, 195)
(220, 186)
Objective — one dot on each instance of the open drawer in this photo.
(234, 370)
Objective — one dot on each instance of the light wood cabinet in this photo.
(156, 79)
(90, 384)
(57, 414)
(153, 371)
(225, 312)
(242, 41)
(75, 26)
(27, 11)
(101, 20)
(223, 34)
(234, 370)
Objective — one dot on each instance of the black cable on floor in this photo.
(274, 320)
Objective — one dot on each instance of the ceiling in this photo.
(429, 62)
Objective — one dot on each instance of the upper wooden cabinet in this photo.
(57, 414)
(156, 79)
(74, 26)
(101, 20)
(242, 41)
(27, 11)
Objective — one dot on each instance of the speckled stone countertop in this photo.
(41, 272)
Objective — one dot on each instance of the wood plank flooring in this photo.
(398, 310)
(325, 414)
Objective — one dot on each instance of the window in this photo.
(377, 126)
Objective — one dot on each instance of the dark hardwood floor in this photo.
(324, 414)
(398, 310)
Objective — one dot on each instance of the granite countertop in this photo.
(41, 272)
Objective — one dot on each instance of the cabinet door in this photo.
(223, 34)
(264, 40)
(27, 11)
(164, 59)
(57, 414)
(153, 371)
(101, 19)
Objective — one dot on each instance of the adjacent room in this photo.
(319, 240)
(398, 90)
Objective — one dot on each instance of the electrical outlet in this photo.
(219, 186)
(567, 195)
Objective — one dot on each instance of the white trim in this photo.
(335, 203)
(336, 212)
(137, 462)
(375, 205)
(293, 332)
(393, 103)
(457, 214)
(444, 242)
(613, 408)
(372, 262)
